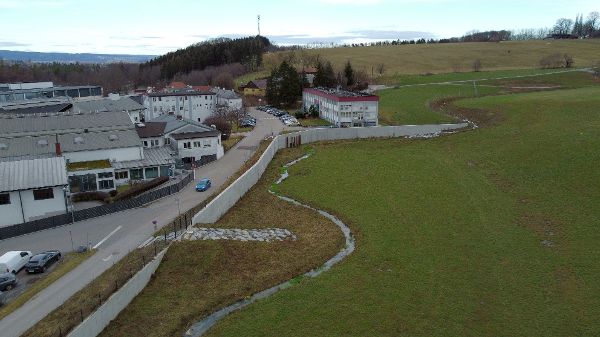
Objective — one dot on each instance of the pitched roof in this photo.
(107, 105)
(258, 84)
(226, 94)
(178, 125)
(178, 85)
(158, 156)
(202, 87)
(151, 129)
(37, 108)
(181, 93)
(32, 173)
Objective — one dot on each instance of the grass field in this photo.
(313, 122)
(412, 104)
(230, 142)
(68, 263)
(196, 278)
(456, 57)
(491, 232)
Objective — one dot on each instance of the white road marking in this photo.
(108, 258)
(106, 237)
(145, 243)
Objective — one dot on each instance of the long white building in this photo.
(342, 108)
(192, 105)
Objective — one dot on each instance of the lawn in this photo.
(66, 264)
(313, 122)
(196, 278)
(491, 232)
(230, 142)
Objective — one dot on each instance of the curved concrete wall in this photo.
(226, 199)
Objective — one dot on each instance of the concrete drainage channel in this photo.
(199, 328)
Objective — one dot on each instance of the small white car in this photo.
(14, 261)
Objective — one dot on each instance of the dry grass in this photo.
(199, 277)
(453, 57)
(65, 265)
(230, 142)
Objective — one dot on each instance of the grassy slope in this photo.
(450, 230)
(446, 58)
(196, 278)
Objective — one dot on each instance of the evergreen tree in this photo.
(329, 79)
(284, 86)
(349, 74)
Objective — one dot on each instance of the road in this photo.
(117, 234)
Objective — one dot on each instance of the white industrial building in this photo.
(114, 103)
(192, 105)
(10, 92)
(342, 108)
(31, 189)
(102, 150)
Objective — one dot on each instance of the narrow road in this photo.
(117, 234)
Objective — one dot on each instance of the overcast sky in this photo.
(156, 27)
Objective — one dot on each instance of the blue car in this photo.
(203, 185)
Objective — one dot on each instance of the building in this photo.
(255, 88)
(193, 105)
(309, 73)
(342, 108)
(31, 189)
(11, 92)
(228, 98)
(191, 142)
(102, 150)
(37, 106)
(114, 103)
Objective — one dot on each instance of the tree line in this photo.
(216, 52)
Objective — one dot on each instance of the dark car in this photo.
(203, 185)
(7, 281)
(40, 262)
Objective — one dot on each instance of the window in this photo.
(137, 174)
(122, 175)
(159, 99)
(151, 172)
(187, 145)
(154, 142)
(4, 198)
(145, 143)
(206, 143)
(180, 108)
(106, 184)
(197, 144)
(43, 194)
(168, 141)
(104, 175)
(186, 98)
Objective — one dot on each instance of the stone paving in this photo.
(265, 234)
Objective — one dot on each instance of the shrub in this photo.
(557, 61)
(313, 111)
(140, 188)
(113, 193)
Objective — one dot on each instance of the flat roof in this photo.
(342, 95)
(32, 173)
(181, 93)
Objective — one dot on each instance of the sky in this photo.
(153, 27)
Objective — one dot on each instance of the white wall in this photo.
(35, 209)
(11, 213)
(120, 154)
(194, 107)
(148, 141)
(215, 147)
(227, 199)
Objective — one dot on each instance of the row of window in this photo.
(41, 194)
(181, 98)
(204, 143)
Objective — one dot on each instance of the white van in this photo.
(12, 262)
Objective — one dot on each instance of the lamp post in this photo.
(68, 201)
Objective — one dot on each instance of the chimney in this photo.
(57, 147)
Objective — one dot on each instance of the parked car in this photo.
(203, 185)
(14, 261)
(7, 281)
(40, 262)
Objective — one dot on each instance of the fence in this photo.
(84, 214)
(224, 201)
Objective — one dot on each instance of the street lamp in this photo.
(67, 200)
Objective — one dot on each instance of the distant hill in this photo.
(216, 52)
(71, 58)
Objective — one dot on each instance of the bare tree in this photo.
(563, 26)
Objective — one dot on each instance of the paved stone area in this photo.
(265, 234)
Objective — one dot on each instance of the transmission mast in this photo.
(258, 21)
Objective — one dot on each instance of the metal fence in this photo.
(84, 214)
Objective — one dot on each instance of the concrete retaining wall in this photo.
(97, 321)
(224, 201)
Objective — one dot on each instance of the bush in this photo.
(300, 114)
(89, 196)
(557, 61)
(140, 188)
(220, 124)
(313, 111)
(113, 193)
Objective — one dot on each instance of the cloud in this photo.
(354, 36)
(17, 4)
(12, 44)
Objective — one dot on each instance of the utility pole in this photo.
(258, 19)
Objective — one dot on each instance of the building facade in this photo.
(342, 108)
(228, 99)
(31, 189)
(256, 88)
(11, 92)
(192, 105)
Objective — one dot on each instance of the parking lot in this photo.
(25, 280)
(284, 116)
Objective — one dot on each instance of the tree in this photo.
(325, 76)
(284, 86)
(477, 65)
(349, 74)
(563, 26)
(578, 26)
(220, 124)
(591, 26)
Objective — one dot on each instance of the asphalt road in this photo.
(117, 234)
